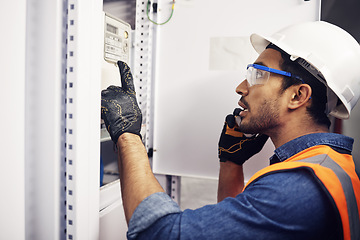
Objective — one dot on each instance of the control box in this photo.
(117, 45)
(116, 39)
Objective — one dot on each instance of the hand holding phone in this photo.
(236, 146)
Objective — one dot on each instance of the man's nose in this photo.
(242, 88)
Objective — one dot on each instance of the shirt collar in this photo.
(337, 141)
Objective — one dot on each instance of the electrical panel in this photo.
(116, 39)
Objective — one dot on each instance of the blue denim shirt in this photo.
(284, 205)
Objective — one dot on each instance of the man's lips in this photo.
(243, 106)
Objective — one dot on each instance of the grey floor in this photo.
(197, 192)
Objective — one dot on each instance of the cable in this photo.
(148, 10)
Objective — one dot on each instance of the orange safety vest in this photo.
(338, 176)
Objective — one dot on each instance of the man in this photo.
(310, 190)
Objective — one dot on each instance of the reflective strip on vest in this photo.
(353, 211)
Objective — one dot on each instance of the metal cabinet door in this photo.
(201, 56)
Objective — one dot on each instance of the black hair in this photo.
(319, 91)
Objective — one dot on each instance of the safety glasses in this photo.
(258, 74)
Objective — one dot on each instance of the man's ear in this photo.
(300, 95)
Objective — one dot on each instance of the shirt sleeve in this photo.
(150, 210)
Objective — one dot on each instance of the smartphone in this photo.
(238, 122)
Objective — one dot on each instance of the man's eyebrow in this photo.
(260, 63)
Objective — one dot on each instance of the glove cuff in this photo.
(115, 137)
(223, 160)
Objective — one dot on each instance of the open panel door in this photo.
(201, 56)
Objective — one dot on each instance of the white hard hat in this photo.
(328, 52)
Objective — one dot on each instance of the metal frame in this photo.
(144, 62)
(142, 69)
(84, 52)
(175, 188)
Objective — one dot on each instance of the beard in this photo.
(263, 119)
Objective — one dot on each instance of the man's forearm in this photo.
(231, 180)
(136, 178)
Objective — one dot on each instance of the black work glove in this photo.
(234, 146)
(119, 108)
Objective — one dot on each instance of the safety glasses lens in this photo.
(256, 76)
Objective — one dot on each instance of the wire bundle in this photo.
(148, 11)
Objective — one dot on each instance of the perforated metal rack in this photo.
(82, 106)
(142, 68)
